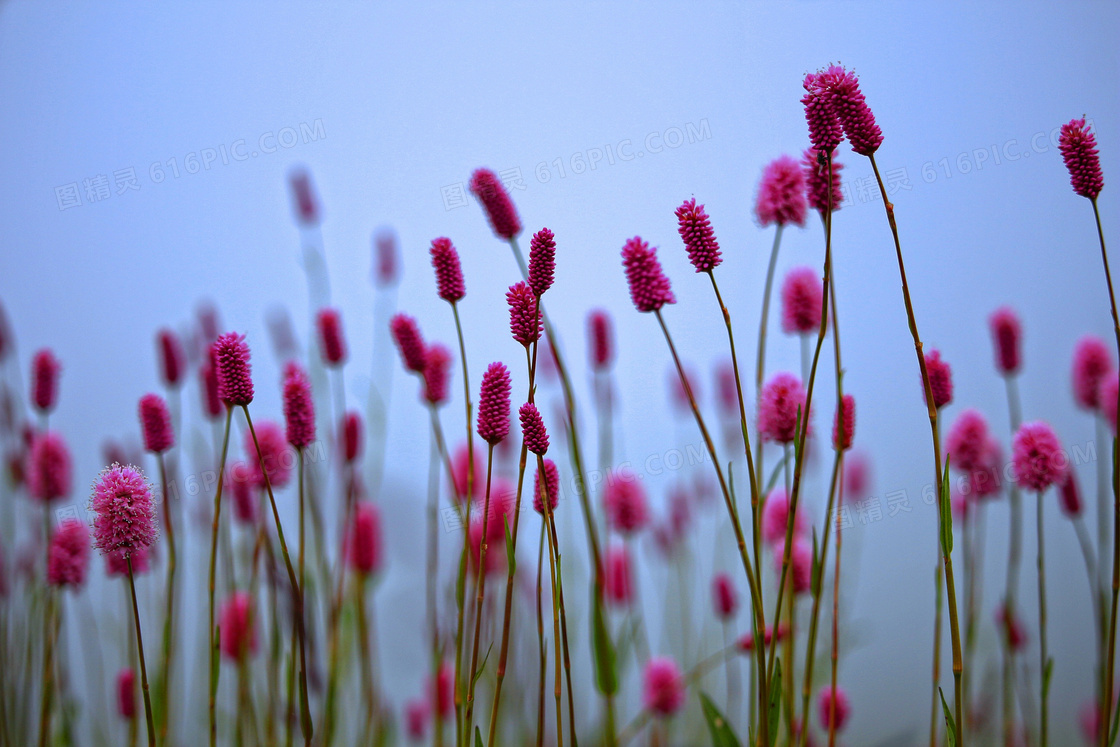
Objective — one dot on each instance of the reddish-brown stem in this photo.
(480, 590)
(461, 582)
(143, 666)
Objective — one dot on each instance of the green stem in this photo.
(459, 734)
(480, 590)
(1045, 662)
(213, 569)
(143, 666)
(168, 624)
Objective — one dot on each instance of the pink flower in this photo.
(385, 258)
(857, 477)
(503, 499)
(1107, 399)
(44, 380)
(407, 336)
(208, 386)
(532, 429)
(116, 563)
(967, 441)
(449, 271)
(460, 464)
(664, 686)
(782, 398)
(303, 197)
(48, 468)
(800, 564)
(1070, 495)
(235, 381)
(275, 456)
(243, 488)
(844, 424)
(351, 436)
(626, 504)
(500, 211)
(834, 708)
(775, 517)
(851, 109)
(940, 379)
(542, 261)
(1007, 334)
(238, 634)
(726, 387)
(126, 516)
(551, 484)
(985, 479)
(299, 407)
(442, 692)
(649, 287)
(126, 694)
(825, 131)
(524, 319)
(746, 641)
(416, 715)
(724, 596)
(436, 374)
(332, 343)
(69, 555)
(171, 357)
(1012, 628)
(1037, 456)
(1092, 361)
(781, 194)
(818, 184)
(493, 559)
(696, 231)
(1078, 144)
(618, 576)
(801, 301)
(493, 404)
(155, 422)
(364, 539)
(601, 339)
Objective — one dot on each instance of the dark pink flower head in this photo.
(524, 320)
(825, 131)
(410, 343)
(800, 564)
(695, 229)
(601, 338)
(299, 407)
(781, 194)
(235, 380)
(724, 597)
(126, 694)
(844, 424)
(1011, 627)
(460, 467)
(364, 543)
(1070, 495)
(940, 379)
(532, 429)
(1007, 334)
(775, 518)
(275, 455)
(649, 286)
(1038, 457)
(1107, 396)
(967, 441)
(551, 485)
(500, 211)
(851, 109)
(126, 515)
(1092, 361)
(618, 576)
(170, 358)
(417, 713)
(332, 343)
(351, 436)
(155, 422)
(238, 631)
(542, 261)
(801, 301)
(116, 563)
(626, 504)
(663, 694)
(48, 468)
(304, 202)
(493, 404)
(441, 690)
(69, 555)
(834, 708)
(782, 398)
(386, 270)
(449, 272)
(1078, 144)
(437, 372)
(44, 380)
(208, 387)
(818, 183)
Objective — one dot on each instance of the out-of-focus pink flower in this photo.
(833, 707)
(406, 334)
(436, 374)
(494, 560)
(695, 229)
(649, 286)
(800, 564)
(126, 694)
(493, 404)
(542, 261)
(44, 380)
(1012, 628)
(304, 201)
(364, 543)
(332, 343)
(1092, 362)
(967, 441)
(351, 436)
(126, 515)
(244, 489)
(601, 338)
(724, 597)
(1107, 399)
(986, 478)
(726, 388)
(618, 578)
(500, 211)
(417, 712)
(818, 183)
(663, 693)
(625, 503)
(386, 264)
(155, 423)
(802, 292)
(170, 357)
(940, 379)
(1037, 456)
(960, 503)
(844, 424)
(782, 398)
(1007, 336)
(857, 476)
(275, 456)
(460, 464)
(746, 641)
(238, 633)
(208, 385)
(1078, 144)
(442, 691)
(69, 555)
(1070, 495)
(781, 194)
(48, 468)
(775, 518)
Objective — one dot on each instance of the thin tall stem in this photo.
(433, 567)
(168, 623)
(143, 666)
(550, 517)
(370, 703)
(937, 616)
(540, 643)
(213, 647)
(1044, 670)
(480, 591)
(760, 371)
(459, 736)
(836, 612)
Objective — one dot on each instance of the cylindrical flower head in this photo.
(844, 424)
(551, 486)
(524, 321)
(782, 398)
(542, 261)
(351, 436)
(299, 407)
(48, 468)
(436, 374)
(69, 555)
(618, 577)
(532, 429)
(274, 454)
(1092, 361)
(449, 272)
(364, 542)
(235, 380)
(781, 194)
(825, 131)
(967, 441)
(116, 563)
(649, 286)
(208, 385)
(834, 708)
(802, 293)
(1037, 456)
(724, 597)
(500, 211)
(663, 693)
(170, 358)
(1078, 144)
(775, 517)
(411, 345)
(626, 504)
(695, 229)
(493, 404)
(1007, 334)
(818, 183)
(1070, 495)
(1108, 395)
(303, 197)
(441, 690)
(940, 379)
(126, 694)
(851, 109)
(44, 380)
(155, 422)
(126, 515)
(239, 633)
(332, 343)
(385, 259)
(601, 338)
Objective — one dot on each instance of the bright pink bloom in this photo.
(626, 504)
(442, 692)
(1012, 628)
(1078, 144)
(1007, 334)
(800, 571)
(782, 398)
(69, 555)
(601, 339)
(1092, 361)
(500, 211)
(724, 596)
(299, 407)
(663, 693)
(775, 517)
(851, 109)
(436, 374)
(407, 336)
(801, 301)
(449, 271)
(351, 436)
(493, 404)
(967, 441)
(126, 515)
(208, 385)
(844, 424)
(170, 358)
(940, 379)
(126, 694)
(332, 343)
(1070, 495)
(275, 455)
(551, 484)
(416, 716)
(460, 465)
(116, 563)
(618, 576)
(781, 194)
(48, 468)
(155, 422)
(385, 259)
(649, 286)
(695, 229)
(1038, 457)
(303, 197)
(44, 380)
(524, 319)
(364, 542)
(542, 261)
(1107, 399)
(235, 381)
(825, 131)
(833, 708)
(238, 632)
(818, 184)
(532, 429)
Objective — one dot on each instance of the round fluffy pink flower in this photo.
(1007, 335)
(299, 407)
(542, 261)
(126, 515)
(155, 422)
(967, 441)
(775, 517)
(126, 694)
(818, 183)
(601, 339)
(524, 319)
(238, 632)
(663, 694)
(626, 505)
(844, 424)
(618, 576)
(724, 597)
(364, 539)
(411, 345)
(551, 484)
(802, 292)
(69, 555)
(332, 343)
(235, 380)
(1038, 457)
(170, 357)
(940, 379)
(1078, 145)
(351, 436)
(1092, 361)
(1070, 495)
(500, 211)
(825, 131)
(649, 286)
(48, 468)
(782, 398)
(275, 456)
(532, 429)
(44, 380)
(116, 563)
(781, 193)
(834, 707)
(493, 404)
(800, 564)
(695, 229)
(436, 374)
(449, 271)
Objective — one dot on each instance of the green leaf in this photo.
(946, 514)
(606, 678)
(511, 558)
(950, 724)
(477, 736)
(482, 666)
(775, 710)
(722, 735)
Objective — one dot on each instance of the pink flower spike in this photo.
(460, 466)
(649, 287)
(618, 578)
(275, 455)
(441, 690)
(126, 694)
(1070, 495)
(155, 422)
(1012, 628)
(834, 708)
(1078, 144)
(69, 555)
(44, 380)
(1107, 396)
(844, 424)
(332, 343)
(857, 477)
(724, 596)
(244, 490)
(303, 197)
(126, 515)
(500, 211)
(818, 184)
(170, 358)
(940, 379)
(386, 257)
(351, 436)
(524, 320)
(416, 716)
(551, 484)
(299, 407)
(775, 517)
(239, 634)
(1038, 457)
(695, 229)
(533, 430)
(663, 693)
(208, 386)
(411, 345)
(48, 468)
(800, 564)
(626, 505)
(781, 194)
(781, 400)
(364, 543)
(851, 109)
(1007, 334)
(601, 339)
(542, 261)
(802, 292)
(449, 272)
(493, 404)
(967, 441)
(825, 131)
(235, 381)
(436, 374)
(1092, 361)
